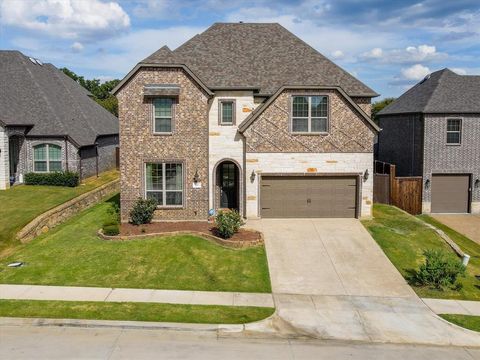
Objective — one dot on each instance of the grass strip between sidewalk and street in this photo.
(207, 314)
(466, 321)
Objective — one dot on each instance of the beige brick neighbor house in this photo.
(247, 117)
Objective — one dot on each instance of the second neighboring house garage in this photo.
(308, 196)
(450, 193)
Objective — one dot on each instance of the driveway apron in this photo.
(331, 280)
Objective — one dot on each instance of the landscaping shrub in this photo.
(60, 178)
(142, 211)
(440, 270)
(111, 230)
(114, 212)
(228, 222)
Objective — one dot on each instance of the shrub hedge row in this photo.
(63, 178)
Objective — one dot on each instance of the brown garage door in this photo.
(450, 193)
(308, 197)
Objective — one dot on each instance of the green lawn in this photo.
(466, 321)
(403, 238)
(133, 311)
(21, 204)
(72, 254)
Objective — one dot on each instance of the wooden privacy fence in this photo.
(402, 192)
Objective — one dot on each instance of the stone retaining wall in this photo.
(209, 237)
(48, 220)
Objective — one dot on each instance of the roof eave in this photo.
(254, 115)
(137, 67)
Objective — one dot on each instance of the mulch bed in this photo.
(244, 235)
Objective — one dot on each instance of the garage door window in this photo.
(309, 114)
(454, 131)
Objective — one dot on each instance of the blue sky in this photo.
(389, 45)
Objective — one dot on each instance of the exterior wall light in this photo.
(476, 184)
(365, 175)
(427, 184)
(196, 177)
(252, 176)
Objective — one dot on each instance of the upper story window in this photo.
(226, 112)
(163, 115)
(164, 183)
(310, 114)
(47, 158)
(454, 131)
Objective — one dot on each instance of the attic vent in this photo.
(425, 79)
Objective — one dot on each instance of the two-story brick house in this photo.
(249, 117)
(433, 131)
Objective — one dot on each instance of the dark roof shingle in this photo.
(256, 55)
(43, 96)
(442, 91)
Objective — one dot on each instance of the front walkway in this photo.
(72, 293)
(331, 280)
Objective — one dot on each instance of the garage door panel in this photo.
(450, 193)
(308, 197)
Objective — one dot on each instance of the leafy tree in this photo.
(379, 105)
(100, 91)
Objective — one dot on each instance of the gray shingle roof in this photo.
(442, 92)
(43, 96)
(260, 56)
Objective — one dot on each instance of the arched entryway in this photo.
(227, 194)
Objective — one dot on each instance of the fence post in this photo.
(392, 184)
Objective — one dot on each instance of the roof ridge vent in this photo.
(39, 62)
(32, 60)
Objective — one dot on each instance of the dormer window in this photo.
(226, 112)
(309, 114)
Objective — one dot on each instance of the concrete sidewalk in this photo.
(73, 293)
(459, 307)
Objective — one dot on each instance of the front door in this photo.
(228, 186)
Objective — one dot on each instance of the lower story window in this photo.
(47, 158)
(164, 183)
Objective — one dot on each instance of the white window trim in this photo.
(164, 183)
(460, 132)
(154, 118)
(47, 159)
(309, 117)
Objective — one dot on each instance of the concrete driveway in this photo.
(331, 280)
(466, 224)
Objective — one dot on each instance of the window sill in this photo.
(170, 207)
(453, 144)
(162, 133)
(226, 124)
(309, 133)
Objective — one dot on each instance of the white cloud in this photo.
(338, 54)
(459, 71)
(77, 46)
(68, 19)
(375, 53)
(415, 72)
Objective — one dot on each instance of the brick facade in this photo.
(187, 144)
(348, 132)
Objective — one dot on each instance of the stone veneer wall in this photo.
(61, 213)
(188, 143)
(347, 130)
(4, 167)
(442, 158)
(302, 163)
(364, 103)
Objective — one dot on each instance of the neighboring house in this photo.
(433, 131)
(49, 123)
(247, 117)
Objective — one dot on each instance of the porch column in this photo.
(4, 164)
